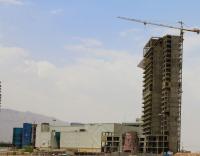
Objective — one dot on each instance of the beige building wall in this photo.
(86, 138)
(83, 138)
(43, 139)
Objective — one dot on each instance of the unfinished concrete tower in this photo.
(162, 64)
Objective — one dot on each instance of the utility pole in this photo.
(0, 96)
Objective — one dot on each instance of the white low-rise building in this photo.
(83, 137)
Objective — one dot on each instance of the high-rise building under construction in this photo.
(162, 81)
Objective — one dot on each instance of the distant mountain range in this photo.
(12, 118)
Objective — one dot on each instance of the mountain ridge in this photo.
(10, 118)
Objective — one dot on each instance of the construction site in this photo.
(162, 90)
(158, 131)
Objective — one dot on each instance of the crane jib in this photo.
(196, 30)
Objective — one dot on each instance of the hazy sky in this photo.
(73, 59)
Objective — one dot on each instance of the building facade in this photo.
(162, 81)
(24, 136)
(99, 137)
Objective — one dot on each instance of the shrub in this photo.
(28, 149)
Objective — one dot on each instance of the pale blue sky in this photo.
(44, 27)
(74, 60)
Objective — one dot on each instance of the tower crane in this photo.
(181, 28)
